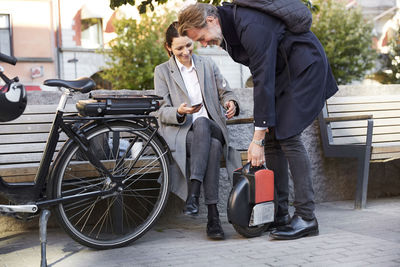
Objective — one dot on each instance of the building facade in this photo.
(27, 32)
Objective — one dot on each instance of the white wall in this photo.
(236, 74)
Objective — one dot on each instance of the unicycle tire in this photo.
(250, 232)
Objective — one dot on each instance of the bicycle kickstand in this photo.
(44, 217)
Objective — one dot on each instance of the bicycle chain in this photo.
(8, 214)
(18, 215)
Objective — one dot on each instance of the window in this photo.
(92, 34)
(5, 34)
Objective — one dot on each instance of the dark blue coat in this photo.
(291, 74)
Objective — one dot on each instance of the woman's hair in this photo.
(170, 34)
(194, 16)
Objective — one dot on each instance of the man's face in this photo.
(211, 34)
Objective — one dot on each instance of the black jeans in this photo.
(204, 143)
(278, 155)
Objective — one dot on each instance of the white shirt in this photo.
(192, 85)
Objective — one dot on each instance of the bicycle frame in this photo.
(32, 192)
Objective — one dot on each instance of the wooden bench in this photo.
(22, 142)
(362, 127)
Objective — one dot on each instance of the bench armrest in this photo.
(240, 121)
(348, 118)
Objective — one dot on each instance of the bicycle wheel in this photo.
(113, 220)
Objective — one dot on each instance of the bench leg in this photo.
(363, 171)
(362, 183)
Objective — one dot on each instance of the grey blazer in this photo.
(169, 84)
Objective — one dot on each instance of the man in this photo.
(292, 79)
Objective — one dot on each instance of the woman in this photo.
(193, 124)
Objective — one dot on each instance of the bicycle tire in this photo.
(117, 220)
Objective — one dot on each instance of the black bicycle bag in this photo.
(101, 105)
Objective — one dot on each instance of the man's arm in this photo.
(261, 46)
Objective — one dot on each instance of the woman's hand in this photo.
(230, 109)
(255, 153)
(184, 109)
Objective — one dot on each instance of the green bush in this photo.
(347, 39)
(136, 50)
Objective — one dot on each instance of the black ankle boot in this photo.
(214, 228)
(192, 202)
(192, 205)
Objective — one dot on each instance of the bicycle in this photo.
(109, 183)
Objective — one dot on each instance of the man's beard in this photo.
(217, 41)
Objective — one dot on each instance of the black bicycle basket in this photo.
(101, 105)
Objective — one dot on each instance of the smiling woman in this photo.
(180, 47)
(193, 125)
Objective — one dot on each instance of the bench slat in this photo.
(28, 128)
(23, 158)
(34, 118)
(362, 99)
(377, 122)
(27, 138)
(26, 148)
(364, 107)
(34, 109)
(27, 172)
(375, 114)
(363, 130)
(387, 156)
(386, 147)
(362, 139)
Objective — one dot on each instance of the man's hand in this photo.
(184, 109)
(255, 153)
(230, 109)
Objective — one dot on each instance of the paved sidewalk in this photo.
(348, 237)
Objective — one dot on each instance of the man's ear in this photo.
(210, 19)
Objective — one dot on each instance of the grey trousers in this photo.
(278, 155)
(204, 143)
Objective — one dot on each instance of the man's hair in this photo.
(194, 16)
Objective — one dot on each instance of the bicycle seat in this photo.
(83, 85)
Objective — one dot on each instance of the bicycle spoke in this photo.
(102, 218)
(143, 173)
(82, 189)
(73, 205)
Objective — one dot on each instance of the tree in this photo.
(347, 39)
(149, 3)
(135, 52)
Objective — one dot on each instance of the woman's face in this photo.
(182, 48)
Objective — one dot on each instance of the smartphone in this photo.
(197, 105)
